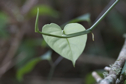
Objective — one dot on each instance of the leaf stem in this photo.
(53, 66)
(77, 33)
(104, 14)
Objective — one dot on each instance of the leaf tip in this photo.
(74, 63)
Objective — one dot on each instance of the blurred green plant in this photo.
(124, 82)
(84, 17)
(3, 25)
(27, 50)
(28, 67)
(25, 57)
(44, 10)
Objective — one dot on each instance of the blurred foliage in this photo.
(27, 50)
(44, 45)
(28, 67)
(124, 82)
(3, 25)
(84, 17)
(44, 10)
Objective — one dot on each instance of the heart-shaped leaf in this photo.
(69, 48)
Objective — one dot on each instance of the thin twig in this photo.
(53, 66)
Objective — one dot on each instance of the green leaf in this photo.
(27, 68)
(69, 48)
(31, 64)
(85, 17)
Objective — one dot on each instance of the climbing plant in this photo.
(69, 42)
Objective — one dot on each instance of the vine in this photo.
(71, 41)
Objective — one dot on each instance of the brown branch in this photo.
(115, 69)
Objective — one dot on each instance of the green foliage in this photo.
(44, 10)
(69, 48)
(43, 44)
(31, 64)
(3, 25)
(27, 50)
(124, 82)
(27, 68)
(89, 79)
(85, 17)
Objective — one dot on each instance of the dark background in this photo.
(19, 43)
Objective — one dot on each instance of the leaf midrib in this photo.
(69, 45)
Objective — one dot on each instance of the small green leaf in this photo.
(85, 17)
(69, 48)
